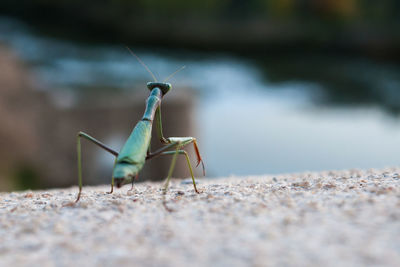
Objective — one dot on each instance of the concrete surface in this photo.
(338, 218)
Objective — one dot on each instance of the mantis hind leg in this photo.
(175, 141)
(178, 142)
(112, 180)
(183, 141)
(133, 180)
(171, 169)
(172, 166)
(100, 144)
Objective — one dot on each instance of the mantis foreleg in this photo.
(174, 140)
(159, 126)
(171, 142)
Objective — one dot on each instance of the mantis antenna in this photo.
(175, 72)
(141, 62)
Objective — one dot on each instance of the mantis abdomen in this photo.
(133, 154)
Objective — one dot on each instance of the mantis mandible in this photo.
(136, 150)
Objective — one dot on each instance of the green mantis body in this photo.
(133, 155)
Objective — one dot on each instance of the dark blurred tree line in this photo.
(102, 10)
(238, 25)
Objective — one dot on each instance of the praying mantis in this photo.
(136, 150)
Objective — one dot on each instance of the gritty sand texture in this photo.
(348, 218)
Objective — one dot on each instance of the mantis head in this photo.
(164, 87)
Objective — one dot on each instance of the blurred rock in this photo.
(20, 109)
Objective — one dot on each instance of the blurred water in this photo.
(248, 121)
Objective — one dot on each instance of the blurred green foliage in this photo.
(26, 177)
(258, 25)
(364, 10)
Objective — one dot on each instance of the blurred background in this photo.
(270, 86)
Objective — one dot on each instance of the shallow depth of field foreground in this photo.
(311, 219)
